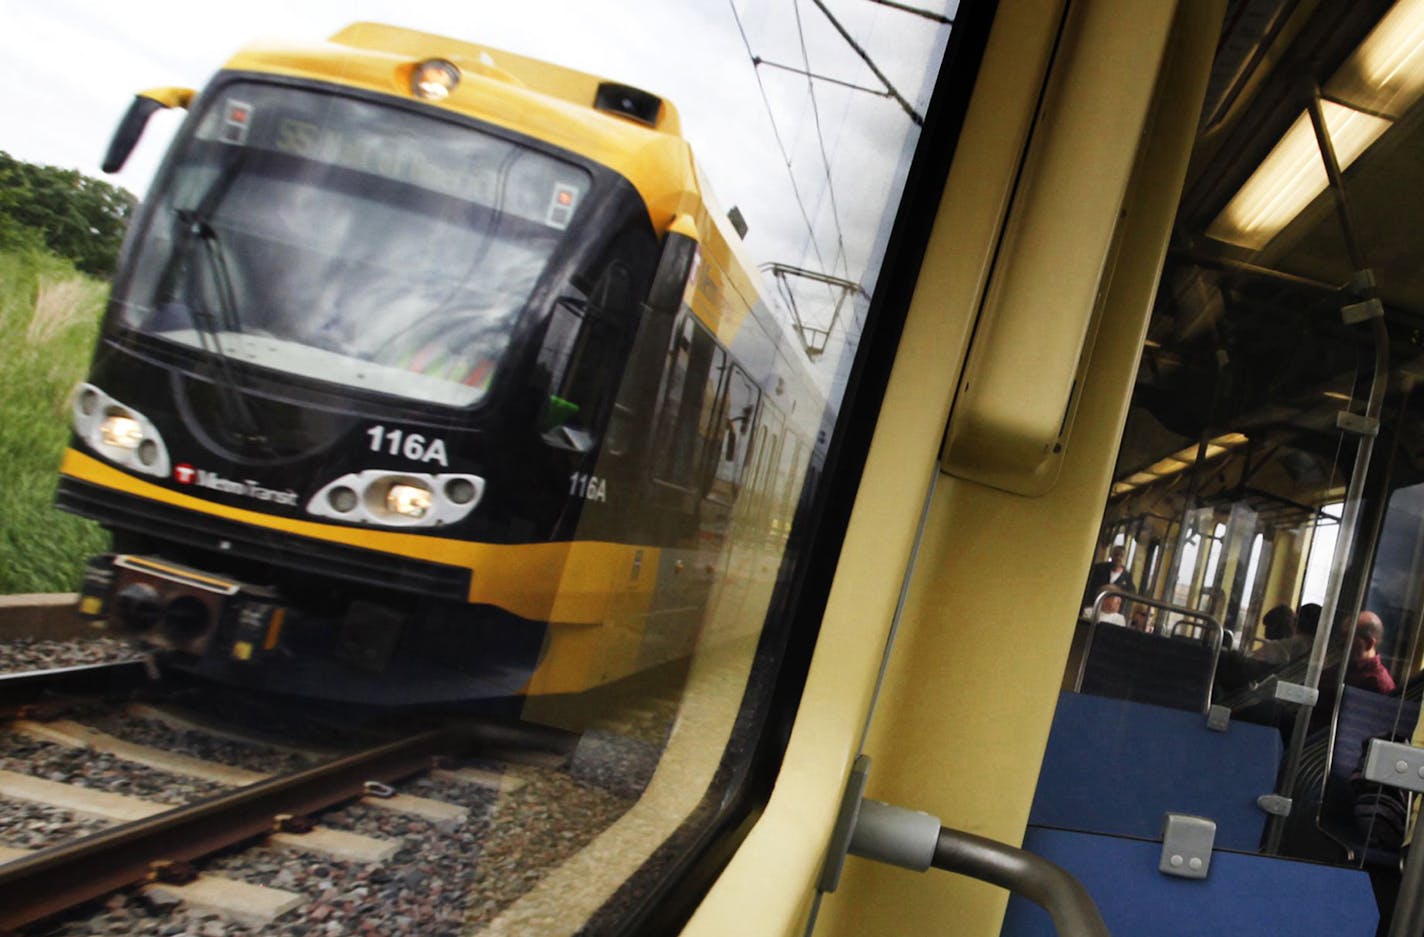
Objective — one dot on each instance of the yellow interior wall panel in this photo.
(768, 886)
(963, 718)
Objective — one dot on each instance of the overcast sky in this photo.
(68, 69)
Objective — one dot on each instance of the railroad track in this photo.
(429, 833)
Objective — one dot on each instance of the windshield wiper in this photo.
(196, 229)
(193, 229)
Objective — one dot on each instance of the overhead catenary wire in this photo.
(776, 134)
(870, 63)
(841, 257)
(813, 246)
(927, 14)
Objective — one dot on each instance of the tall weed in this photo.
(49, 318)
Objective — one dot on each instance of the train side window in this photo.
(767, 459)
(688, 404)
(793, 469)
(756, 458)
(732, 450)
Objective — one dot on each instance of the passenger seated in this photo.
(1110, 611)
(1141, 619)
(1238, 672)
(1284, 641)
(1363, 668)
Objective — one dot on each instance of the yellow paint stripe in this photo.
(566, 581)
(180, 571)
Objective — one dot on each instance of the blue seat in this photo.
(1118, 767)
(1242, 896)
(1148, 668)
(1362, 715)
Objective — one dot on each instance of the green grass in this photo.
(49, 316)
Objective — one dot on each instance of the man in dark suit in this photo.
(1110, 572)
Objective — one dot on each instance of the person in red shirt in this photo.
(1365, 669)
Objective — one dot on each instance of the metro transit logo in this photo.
(186, 474)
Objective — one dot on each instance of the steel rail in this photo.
(55, 879)
(112, 679)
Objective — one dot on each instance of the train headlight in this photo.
(118, 432)
(434, 79)
(121, 431)
(398, 499)
(408, 500)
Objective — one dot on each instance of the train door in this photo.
(582, 413)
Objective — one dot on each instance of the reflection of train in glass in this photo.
(431, 372)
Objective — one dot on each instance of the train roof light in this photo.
(434, 79)
(1375, 87)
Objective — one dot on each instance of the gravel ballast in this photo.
(447, 877)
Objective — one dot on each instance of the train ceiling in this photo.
(1250, 340)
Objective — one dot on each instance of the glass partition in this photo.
(1272, 450)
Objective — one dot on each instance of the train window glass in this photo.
(489, 472)
(770, 458)
(733, 452)
(1396, 588)
(1250, 591)
(711, 422)
(756, 458)
(1187, 556)
(1149, 576)
(348, 242)
(1323, 535)
(688, 405)
(792, 466)
(1210, 585)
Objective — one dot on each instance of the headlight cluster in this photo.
(398, 499)
(119, 433)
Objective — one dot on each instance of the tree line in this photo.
(62, 211)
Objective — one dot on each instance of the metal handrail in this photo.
(1216, 632)
(1051, 887)
(915, 840)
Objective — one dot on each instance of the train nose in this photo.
(137, 607)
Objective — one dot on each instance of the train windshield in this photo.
(350, 242)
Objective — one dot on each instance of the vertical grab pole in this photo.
(1349, 521)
